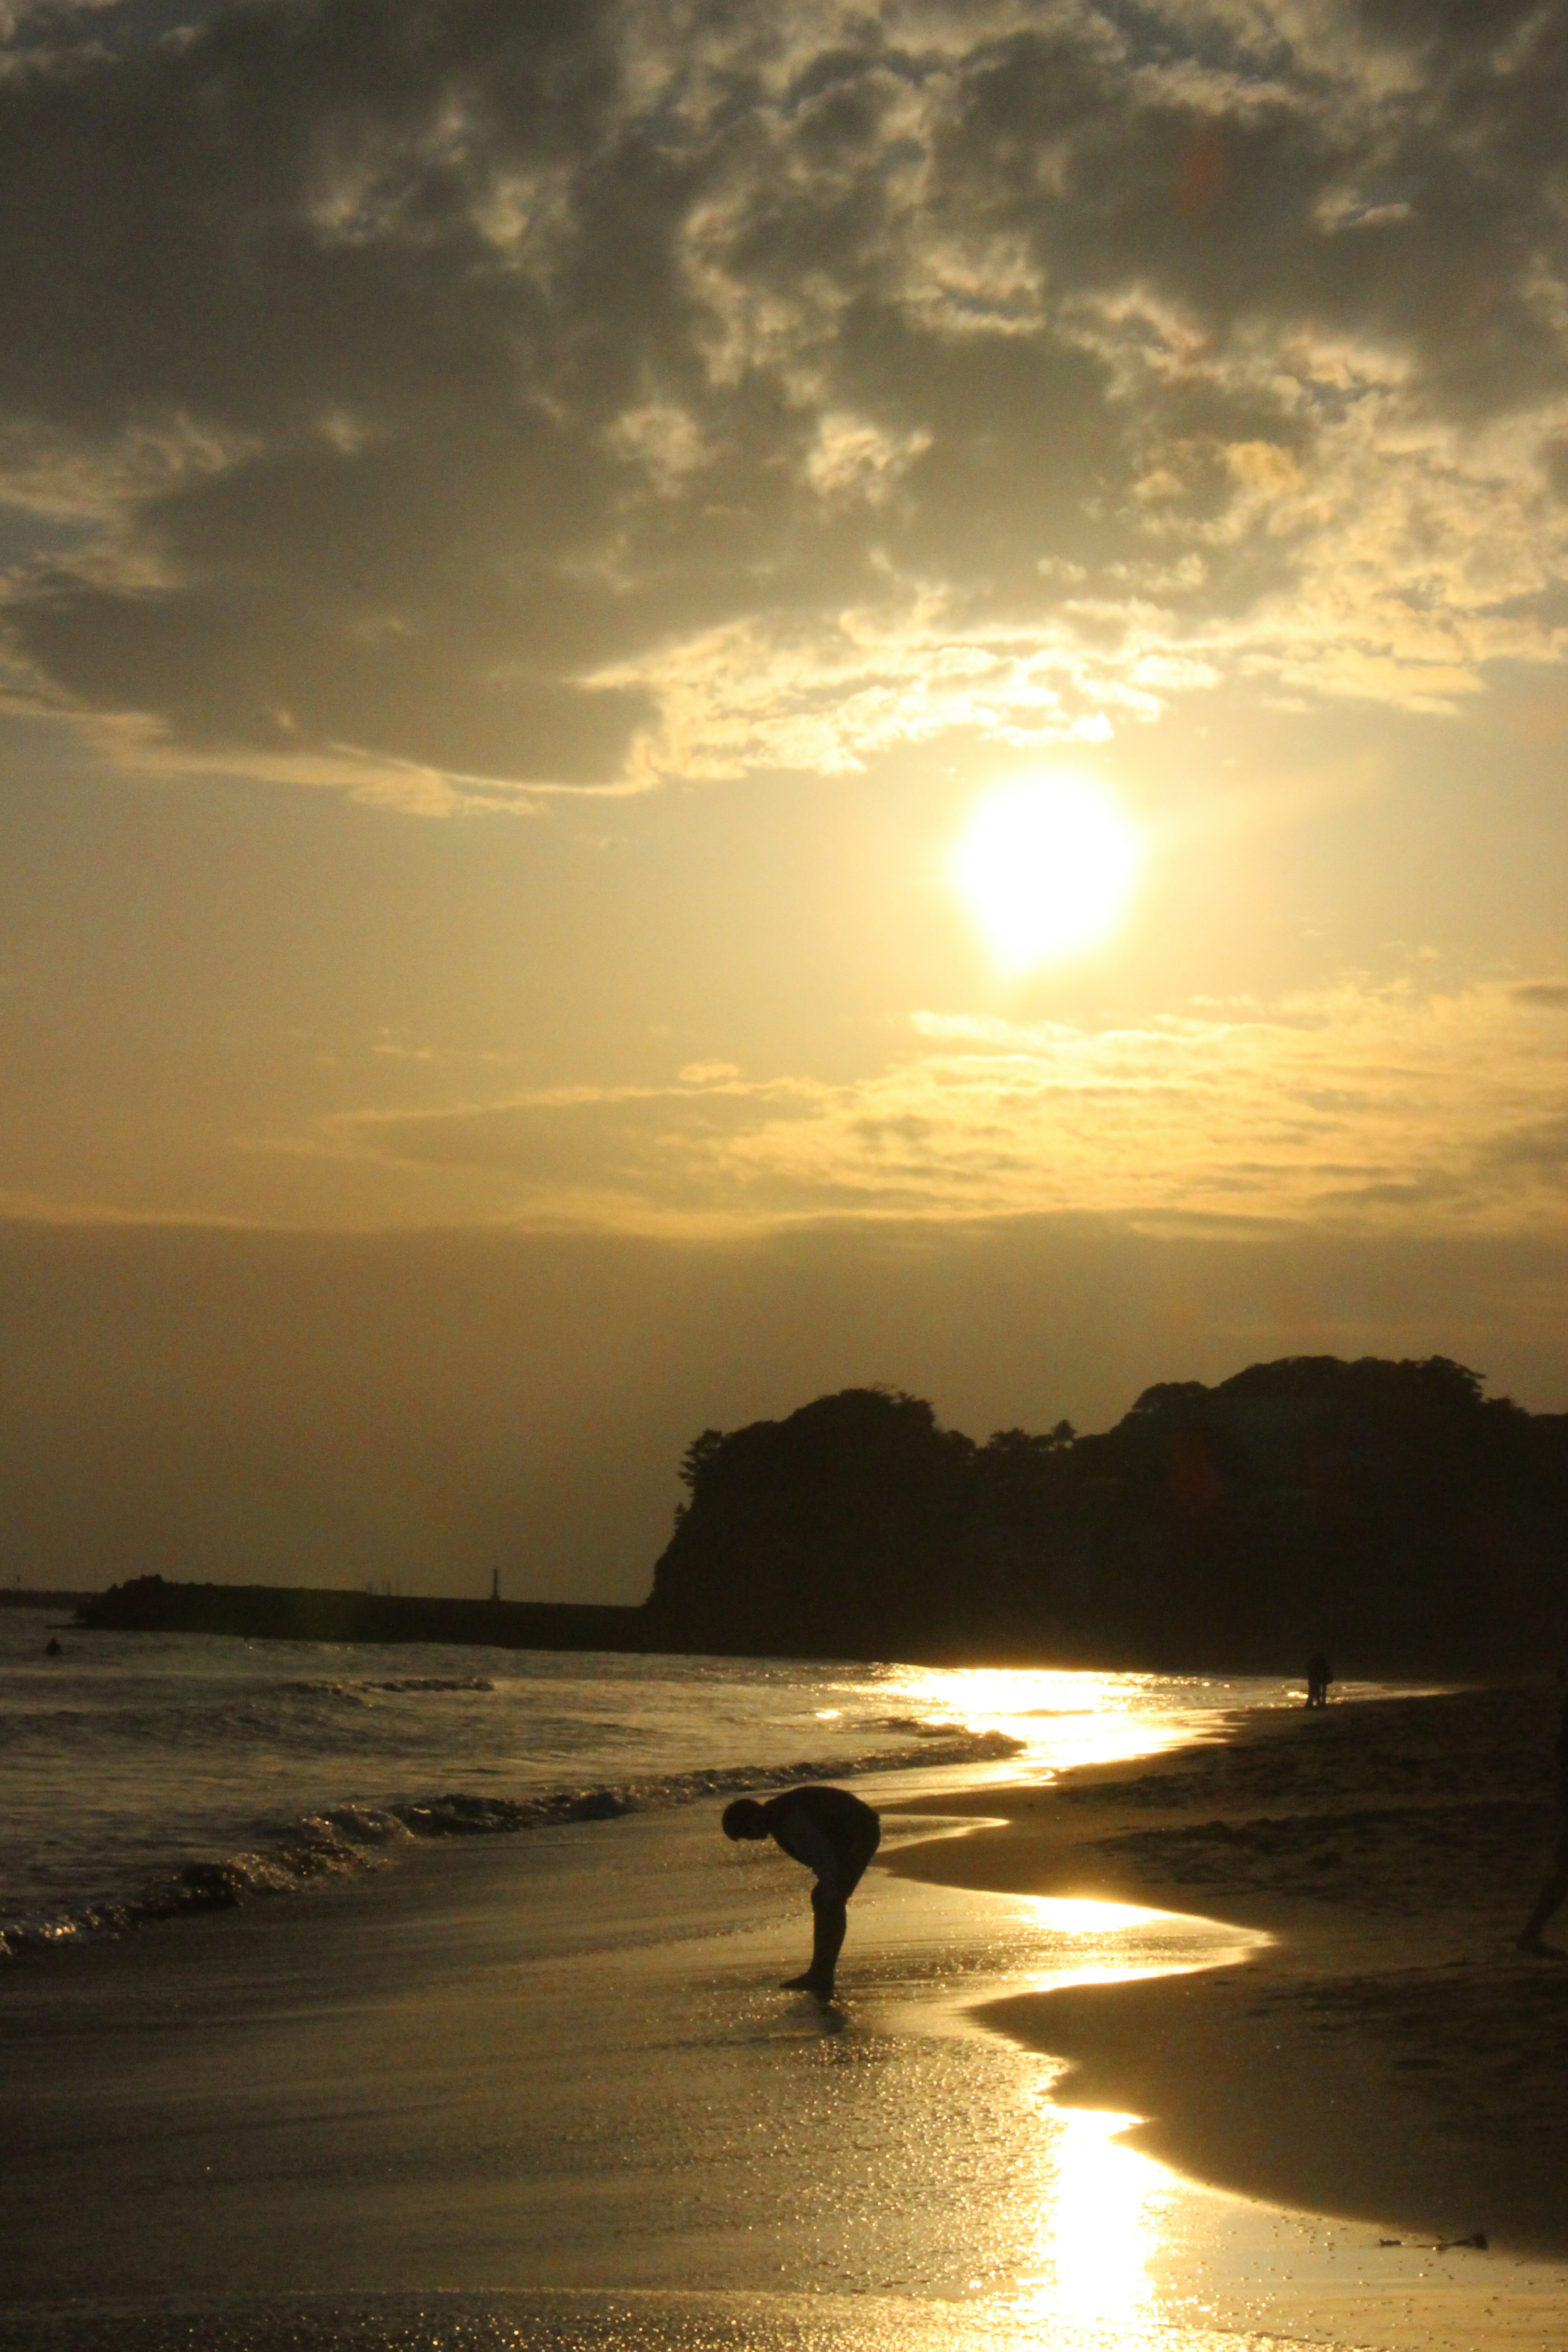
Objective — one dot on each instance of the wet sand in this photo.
(1388, 2053)
(545, 2092)
(560, 2063)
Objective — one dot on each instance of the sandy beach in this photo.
(1387, 2053)
(544, 2092)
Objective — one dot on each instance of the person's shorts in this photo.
(837, 1882)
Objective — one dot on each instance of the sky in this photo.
(533, 534)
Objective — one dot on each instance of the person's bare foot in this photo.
(808, 1983)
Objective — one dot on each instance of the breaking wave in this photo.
(347, 1840)
(358, 1690)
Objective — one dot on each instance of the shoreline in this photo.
(1388, 2055)
(522, 2071)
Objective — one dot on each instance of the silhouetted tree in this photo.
(1389, 1511)
(700, 1450)
(838, 1528)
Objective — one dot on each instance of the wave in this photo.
(347, 1840)
(326, 1705)
(914, 1722)
(339, 1688)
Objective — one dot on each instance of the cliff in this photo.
(1388, 1512)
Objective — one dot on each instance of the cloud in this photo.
(1357, 1110)
(577, 397)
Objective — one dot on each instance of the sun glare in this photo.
(1046, 867)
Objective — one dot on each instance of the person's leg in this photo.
(830, 1914)
(830, 1922)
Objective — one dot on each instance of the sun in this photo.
(1045, 865)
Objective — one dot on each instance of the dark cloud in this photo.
(447, 380)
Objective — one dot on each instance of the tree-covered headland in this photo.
(1388, 1512)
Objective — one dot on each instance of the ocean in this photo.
(151, 1775)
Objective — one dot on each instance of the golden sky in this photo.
(529, 532)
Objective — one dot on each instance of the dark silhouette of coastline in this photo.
(306, 1613)
(1387, 1510)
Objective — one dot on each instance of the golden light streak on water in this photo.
(1064, 1717)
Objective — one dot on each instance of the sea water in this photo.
(143, 1775)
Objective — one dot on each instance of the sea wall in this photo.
(304, 1613)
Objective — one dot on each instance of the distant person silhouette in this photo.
(1320, 1675)
(1554, 1886)
(52, 1648)
(834, 1834)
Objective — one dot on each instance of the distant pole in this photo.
(495, 1584)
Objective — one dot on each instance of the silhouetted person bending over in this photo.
(835, 1836)
(1554, 1888)
(1320, 1675)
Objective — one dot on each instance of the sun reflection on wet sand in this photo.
(1106, 2246)
(1047, 2230)
(1103, 2211)
(1099, 2226)
(1110, 2250)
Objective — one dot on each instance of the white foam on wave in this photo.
(339, 1687)
(347, 1840)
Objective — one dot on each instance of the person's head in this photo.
(746, 1819)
